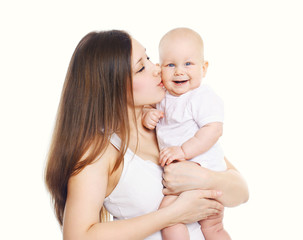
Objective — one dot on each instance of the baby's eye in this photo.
(148, 57)
(187, 63)
(170, 65)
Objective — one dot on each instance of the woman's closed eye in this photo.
(141, 69)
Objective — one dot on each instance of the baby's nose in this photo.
(179, 71)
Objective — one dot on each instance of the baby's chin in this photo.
(177, 93)
(177, 88)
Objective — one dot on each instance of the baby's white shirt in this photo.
(184, 115)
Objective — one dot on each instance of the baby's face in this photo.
(182, 65)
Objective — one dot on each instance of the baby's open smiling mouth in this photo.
(179, 82)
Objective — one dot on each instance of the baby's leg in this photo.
(212, 228)
(176, 232)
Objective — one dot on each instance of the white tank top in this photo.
(139, 191)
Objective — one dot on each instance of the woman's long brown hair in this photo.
(93, 105)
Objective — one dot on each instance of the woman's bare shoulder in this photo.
(102, 165)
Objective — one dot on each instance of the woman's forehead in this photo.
(138, 51)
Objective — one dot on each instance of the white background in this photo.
(255, 51)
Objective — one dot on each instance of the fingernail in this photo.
(219, 193)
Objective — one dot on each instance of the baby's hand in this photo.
(169, 154)
(151, 118)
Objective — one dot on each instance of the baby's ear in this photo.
(205, 64)
(205, 67)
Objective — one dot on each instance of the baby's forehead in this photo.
(180, 36)
(186, 33)
(177, 44)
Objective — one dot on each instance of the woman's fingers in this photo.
(209, 212)
(199, 204)
(170, 160)
(185, 175)
(211, 194)
(218, 207)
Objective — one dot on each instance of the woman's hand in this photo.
(182, 176)
(195, 205)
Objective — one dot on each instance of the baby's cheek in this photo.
(166, 77)
(165, 73)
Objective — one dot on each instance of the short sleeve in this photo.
(206, 106)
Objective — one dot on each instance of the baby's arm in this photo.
(151, 116)
(203, 140)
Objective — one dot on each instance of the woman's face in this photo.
(147, 84)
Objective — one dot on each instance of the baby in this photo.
(189, 119)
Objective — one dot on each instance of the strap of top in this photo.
(115, 141)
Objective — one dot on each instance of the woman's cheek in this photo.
(141, 92)
(138, 86)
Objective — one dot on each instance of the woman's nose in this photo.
(157, 70)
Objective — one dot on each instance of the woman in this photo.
(92, 162)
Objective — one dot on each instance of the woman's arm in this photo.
(86, 193)
(183, 176)
(143, 226)
(232, 184)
